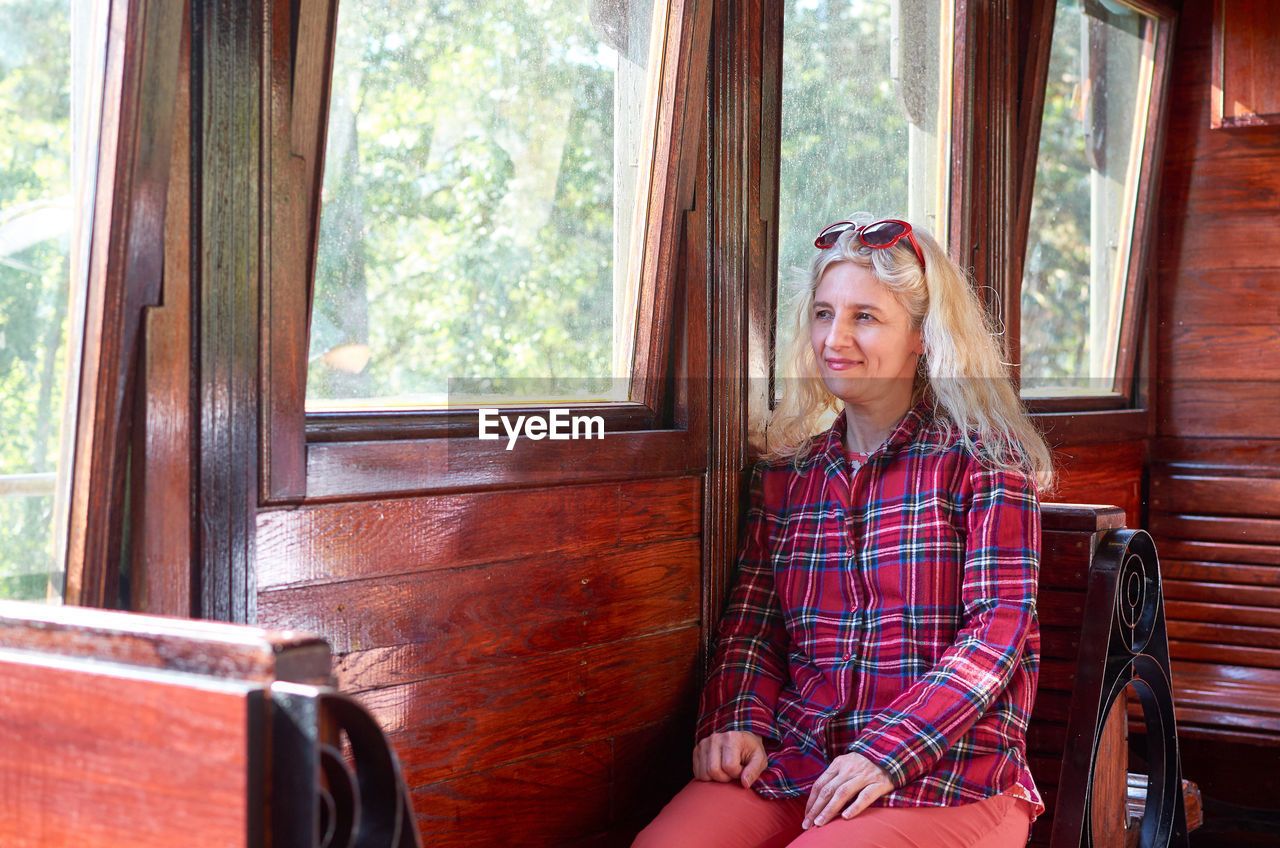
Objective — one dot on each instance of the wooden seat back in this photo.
(129, 730)
(1102, 627)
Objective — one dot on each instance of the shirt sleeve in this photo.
(749, 664)
(998, 593)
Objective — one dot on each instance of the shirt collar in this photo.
(829, 446)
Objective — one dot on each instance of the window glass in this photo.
(1085, 201)
(51, 54)
(866, 107)
(484, 166)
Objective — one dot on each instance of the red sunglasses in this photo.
(885, 233)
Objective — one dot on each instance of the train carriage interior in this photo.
(384, 376)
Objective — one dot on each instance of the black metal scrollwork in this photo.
(321, 798)
(1123, 642)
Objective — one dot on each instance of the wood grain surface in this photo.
(134, 770)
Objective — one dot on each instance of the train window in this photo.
(50, 52)
(483, 204)
(1093, 174)
(866, 106)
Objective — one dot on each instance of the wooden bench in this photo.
(1219, 538)
(1102, 627)
(139, 731)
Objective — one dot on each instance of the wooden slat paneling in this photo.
(550, 799)
(1216, 495)
(1203, 611)
(1243, 241)
(1226, 553)
(1257, 531)
(1222, 593)
(1221, 352)
(1245, 182)
(472, 721)
(1228, 655)
(1102, 474)
(1242, 409)
(402, 628)
(1215, 632)
(378, 538)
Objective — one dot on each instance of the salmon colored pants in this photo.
(724, 815)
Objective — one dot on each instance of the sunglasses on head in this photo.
(885, 233)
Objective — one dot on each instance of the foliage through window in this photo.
(51, 54)
(1082, 230)
(865, 119)
(484, 166)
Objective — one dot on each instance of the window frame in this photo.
(1128, 387)
(126, 257)
(338, 455)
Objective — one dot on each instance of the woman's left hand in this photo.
(850, 780)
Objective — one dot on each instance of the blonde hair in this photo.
(961, 372)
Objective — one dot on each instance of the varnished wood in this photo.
(1035, 21)
(1226, 554)
(551, 799)
(1237, 409)
(1065, 429)
(434, 622)
(1246, 62)
(1109, 473)
(1108, 810)
(351, 470)
(164, 644)
(1255, 531)
(1222, 353)
(126, 262)
(672, 187)
(163, 492)
(81, 773)
(1197, 297)
(1225, 495)
(466, 722)
(1158, 50)
(227, 90)
(984, 131)
(380, 538)
(1072, 533)
(739, 281)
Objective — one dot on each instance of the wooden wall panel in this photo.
(547, 800)
(411, 626)
(1198, 297)
(477, 720)
(1215, 459)
(378, 538)
(1213, 353)
(1241, 409)
(525, 650)
(1108, 473)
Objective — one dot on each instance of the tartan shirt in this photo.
(889, 611)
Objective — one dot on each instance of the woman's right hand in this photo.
(732, 755)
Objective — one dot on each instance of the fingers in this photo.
(851, 783)
(728, 756)
(755, 766)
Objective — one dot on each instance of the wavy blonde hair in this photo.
(962, 371)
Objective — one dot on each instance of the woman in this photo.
(877, 661)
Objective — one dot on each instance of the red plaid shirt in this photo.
(889, 611)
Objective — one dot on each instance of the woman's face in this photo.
(862, 338)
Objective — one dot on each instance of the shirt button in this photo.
(847, 654)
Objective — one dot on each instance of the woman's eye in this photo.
(865, 316)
